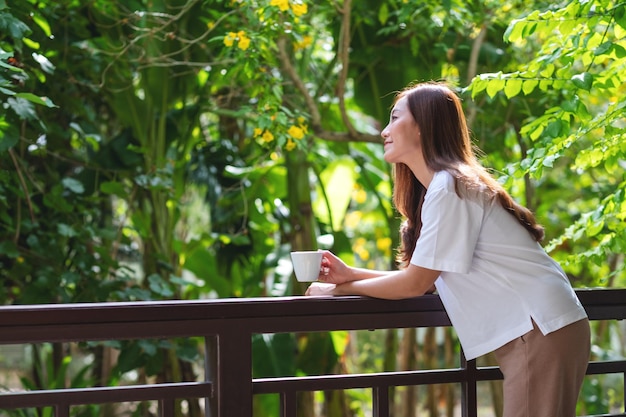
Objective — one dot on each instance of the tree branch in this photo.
(352, 135)
(288, 67)
(475, 54)
(473, 65)
(344, 60)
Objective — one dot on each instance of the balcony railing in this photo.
(227, 326)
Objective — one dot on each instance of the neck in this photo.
(423, 174)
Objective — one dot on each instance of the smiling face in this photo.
(401, 136)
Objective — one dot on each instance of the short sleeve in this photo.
(450, 229)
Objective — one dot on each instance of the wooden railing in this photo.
(227, 326)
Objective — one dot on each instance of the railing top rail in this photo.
(93, 321)
(245, 307)
(226, 308)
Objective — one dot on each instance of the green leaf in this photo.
(620, 19)
(159, 286)
(42, 23)
(22, 107)
(66, 230)
(583, 80)
(114, 188)
(495, 86)
(547, 71)
(548, 161)
(340, 340)
(9, 66)
(513, 87)
(9, 249)
(513, 32)
(603, 48)
(553, 129)
(7, 140)
(593, 227)
(274, 354)
(383, 13)
(529, 86)
(45, 101)
(14, 27)
(73, 185)
(620, 51)
(338, 180)
(567, 26)
(478, 85)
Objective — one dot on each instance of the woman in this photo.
(465, 236)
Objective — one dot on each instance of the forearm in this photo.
(391, 286)
(357, 274)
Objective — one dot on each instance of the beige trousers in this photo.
(543, 374)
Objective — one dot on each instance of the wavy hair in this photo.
(446, 145)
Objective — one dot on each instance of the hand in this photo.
(320, 288)
(334, 270)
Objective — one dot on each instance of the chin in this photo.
(388, 157)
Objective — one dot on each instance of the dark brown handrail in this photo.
(228, 325)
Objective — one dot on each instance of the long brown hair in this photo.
(446, 145)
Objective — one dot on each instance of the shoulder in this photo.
(448, 190)
(442, 181)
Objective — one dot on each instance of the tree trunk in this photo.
(496, 389)
(430, 360)
(389, 362)
(408, 361)
(450, 359)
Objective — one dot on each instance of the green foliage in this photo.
(182, 148)
(579, 63)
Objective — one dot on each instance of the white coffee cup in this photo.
(306, 265)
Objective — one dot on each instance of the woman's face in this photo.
(402, 137)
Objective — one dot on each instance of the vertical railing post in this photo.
(61, 410)
(469, 398)
(233, 383)
(167, 407)
(380, 404)
(210, 374)
(288, 404)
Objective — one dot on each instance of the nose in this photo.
(385, 133)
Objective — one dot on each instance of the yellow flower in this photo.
(230, 39)
(244, 43)
(352, 219)
(283, 5)
(383, 244)
(299, 9)
(267, 136)
(296, 132)
(257, 131)
(362, 252)
(291, 145)
(360, 196)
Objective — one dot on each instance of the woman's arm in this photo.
(410, 282)
(336, 271)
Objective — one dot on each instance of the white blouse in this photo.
(494, 276)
